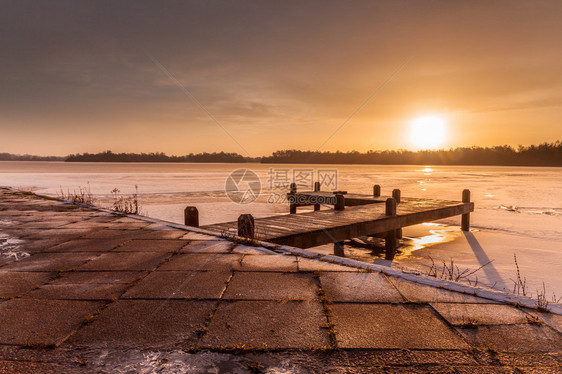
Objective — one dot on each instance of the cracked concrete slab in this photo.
(518, 338)
(198, 246)
(180, 285)
(151, 245)
(269, 262)
(19, 283)
(42, 322)
(122, 261)
(141, 323)
(480, 314)
(271, 286)
(359, 287)
(273, 324)
(392, 326)
(214, 262)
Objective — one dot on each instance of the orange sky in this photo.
(78, 77)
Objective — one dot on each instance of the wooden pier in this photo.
(352, 216)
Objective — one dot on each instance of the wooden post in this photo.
(191, 216)
(396, 195)
(376, 190)
(293, 188)
(316, 189)
(293, 205)
(246, 226)
(340, 202)
(338, 249)
(465, 218)
(390, 240)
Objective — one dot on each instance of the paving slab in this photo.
(78, 291)
(392, 326)
(247, 250)
(86, 245)
(142, 323)
(214, 262)
(443, 358)
(87, 225)
(359, 287)
(479, 314)
(49, 224)
(113, 234)
(273, 324)
(99, 277)
(19, 283)
(55, 233)
(41, 245)
(36, 367)
(161, 234)
(152, 245)
(526, 359)
(552, 320)
(199, 246)
(180, 285)
(420, 293)
(518, 338)
(50, 262)
(198, 236)
(309, 264)
(136, 225)
(122, 261)
(42, 322)
(269, 263)
(271, 286)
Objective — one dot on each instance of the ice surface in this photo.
(518, 210)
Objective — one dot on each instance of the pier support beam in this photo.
(340, 202)
(465, 218)
(316, 189)
(191, 216)
(293, 205)
(246, 226)
(396, 195)
(376, 190)
(390, 240)
(338, 249)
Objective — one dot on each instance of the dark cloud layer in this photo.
(77, 76)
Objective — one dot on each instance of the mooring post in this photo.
(465, 218)
(396, 195)
(293, 203)
(191, 216)
(390, 240)
(316, 189)
(376, 190)
(340, 202)
(338, 249)
(246, 226)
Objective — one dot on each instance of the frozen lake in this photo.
(518, 210)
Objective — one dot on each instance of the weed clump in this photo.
(82, 196)
(126, 204)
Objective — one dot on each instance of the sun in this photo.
(428, 132)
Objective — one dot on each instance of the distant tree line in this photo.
(545, 154)
(109, 156)
(12, 157)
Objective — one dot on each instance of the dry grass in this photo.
(126, 204)
(82, 196)
(451, 271)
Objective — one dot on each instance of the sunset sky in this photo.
(87, 76)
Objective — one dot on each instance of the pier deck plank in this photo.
(363, 215)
